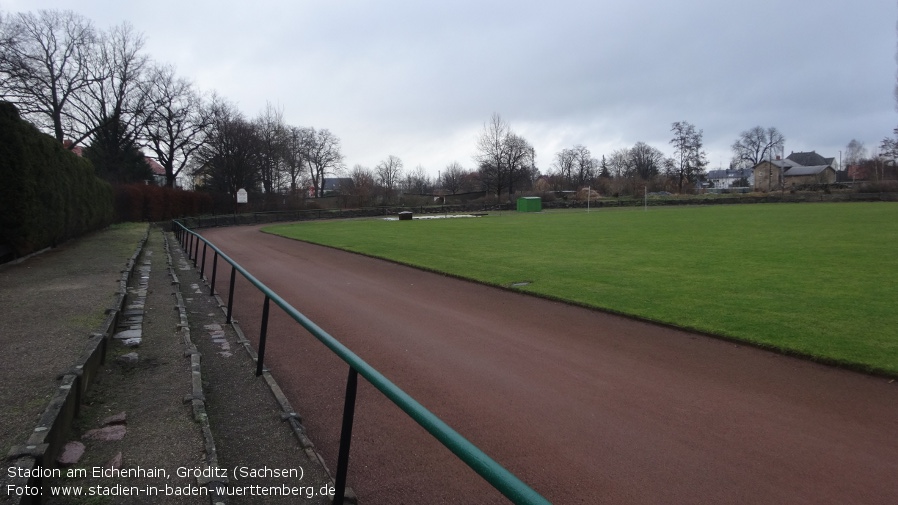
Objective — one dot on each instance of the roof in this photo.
(155, 166)
(799, 170)
(728, 174)
(336, 183)
(67, 143)
(793, 166)
(810, 159)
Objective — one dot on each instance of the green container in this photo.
(530, 204)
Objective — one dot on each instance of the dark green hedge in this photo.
(47, 194)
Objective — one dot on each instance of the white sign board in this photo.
(241, 195)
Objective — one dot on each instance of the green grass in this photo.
(819, 280)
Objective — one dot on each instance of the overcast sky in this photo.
(419, 79)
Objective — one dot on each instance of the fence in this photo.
(496, 475)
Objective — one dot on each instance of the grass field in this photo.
(817, 279)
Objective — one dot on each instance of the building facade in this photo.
(793, 172)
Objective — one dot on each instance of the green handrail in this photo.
(494, 473)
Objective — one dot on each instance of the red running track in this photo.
(584, 406)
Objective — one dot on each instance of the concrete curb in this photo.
(49, 436)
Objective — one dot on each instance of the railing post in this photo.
(345, 437)
(188, 244)
(196, 250)
(262, 334)
(203, 263)
(214, 270)
(231, 294)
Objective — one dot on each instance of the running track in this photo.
(583, 406)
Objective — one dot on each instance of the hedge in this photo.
(47, 193)
(148, 202)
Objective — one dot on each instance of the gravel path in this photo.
(584, 406)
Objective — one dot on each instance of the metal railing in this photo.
(494, 473)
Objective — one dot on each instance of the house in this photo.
(334, 186)
(798, 169)
(158, 171)
(78, 150)
(727, 178)
(337, 185)
(858, 173)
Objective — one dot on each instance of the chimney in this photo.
(777, 157)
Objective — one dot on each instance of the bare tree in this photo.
(229, 159)
(889, 146)
(855, 152)
(564, 166)
(620, 163)
(294, 160)
(322, 156)
(47, 59)
(504, 158)
(491, 153)
(645, 161)
(176, 123)
(273, 135)
(389, 172)
(453, 177)
(756, 145)
(363, 185)
(689, 157)
(519, 161)
(117, 91)
(8, 37)
(417, 181)
(585, 166)
(575, 166)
